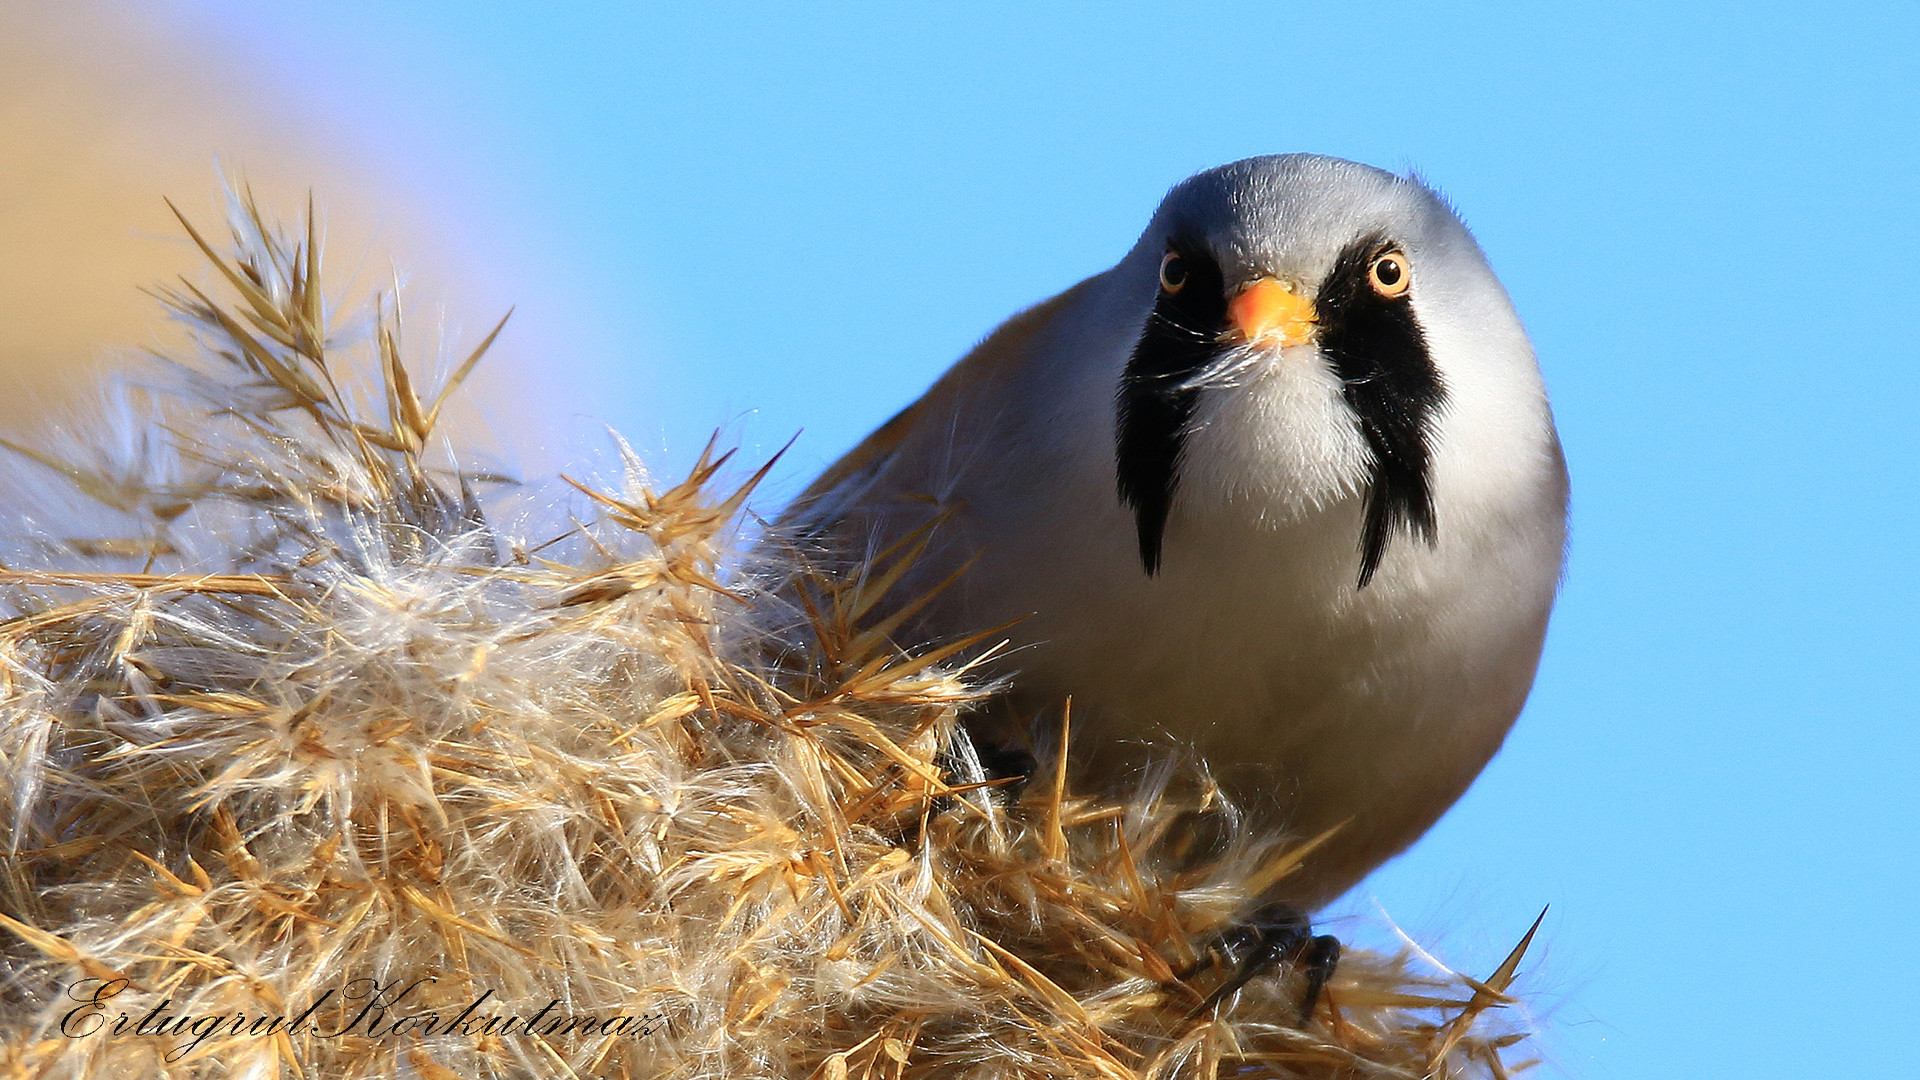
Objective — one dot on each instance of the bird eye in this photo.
(1390, 274)
(1173, 273)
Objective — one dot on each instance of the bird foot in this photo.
(1006, 762)
(1275, 934)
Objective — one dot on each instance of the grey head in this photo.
(1293, 252)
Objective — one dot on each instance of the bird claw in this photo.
(1274, 935)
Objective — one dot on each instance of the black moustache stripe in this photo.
(1387, 376)
(1156, 398)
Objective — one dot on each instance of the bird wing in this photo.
(893, 456)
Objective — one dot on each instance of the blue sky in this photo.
(780, 219)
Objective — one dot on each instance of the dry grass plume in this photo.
(303, 752)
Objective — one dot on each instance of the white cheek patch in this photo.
(1272, 435)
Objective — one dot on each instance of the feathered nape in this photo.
(312, 768)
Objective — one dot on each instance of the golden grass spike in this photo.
(307, 394)
(308, 296)
(459, 376)
(1053, 837)
(407, 421)
(249, 291)
(871, 639)
(60, 949)
(883, 671)
(1288, 861)
(731, 505)
(1485, 996)
(867, 589)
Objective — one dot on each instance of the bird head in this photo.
(1307, 324)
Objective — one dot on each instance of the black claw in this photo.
(1322, 957)
(1273, 935)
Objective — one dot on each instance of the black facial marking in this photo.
(1376, 346)
(1155, 402)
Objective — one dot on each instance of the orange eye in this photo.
(1390, 274)
(1173, 273)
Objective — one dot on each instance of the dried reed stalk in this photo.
(308, 723)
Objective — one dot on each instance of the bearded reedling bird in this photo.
(1281, 488)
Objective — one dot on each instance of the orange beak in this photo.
(1267, 310)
